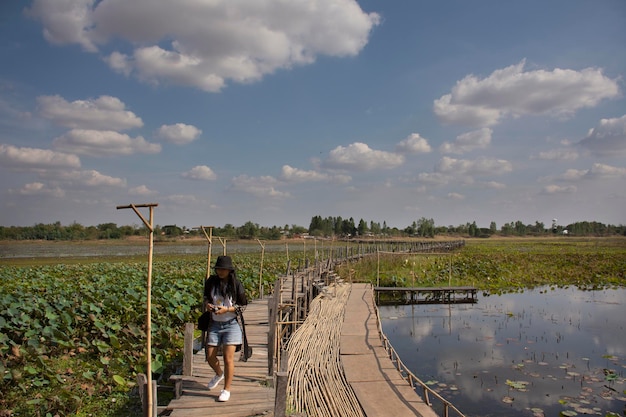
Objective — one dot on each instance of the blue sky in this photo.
(277, 111)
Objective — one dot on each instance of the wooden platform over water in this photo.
(379, 387)
(425, 295)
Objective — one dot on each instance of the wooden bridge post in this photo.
(188, 350)
(272, 305)
(149, 407)
(282, 377)
(280, 403)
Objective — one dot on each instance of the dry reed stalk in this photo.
(317, 386)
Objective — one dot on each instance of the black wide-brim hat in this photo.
(224, 262)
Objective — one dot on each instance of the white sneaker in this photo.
(215, 380)
(224, 396)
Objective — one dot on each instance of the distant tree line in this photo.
(424, 227)
(75, 231)
(328, 227)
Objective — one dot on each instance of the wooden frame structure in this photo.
(150, 409)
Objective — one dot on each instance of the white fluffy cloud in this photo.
(608, 138)
(88, 178)
(178, 134)
(103, 113)
(455, 196)
(462, 171)
(573, 175)
(511, 91)
(291, 174)
(477, 139)
(205, 44)
(264, 186)
(558, 189)
(65, 21)
(34, 158)
(413, 143)
(607, 171)
(596, 172)
(360, 157)
(103, 143)
(200, 172)
(40, 189)
(480, 166)
(295, 175)
(141, 190)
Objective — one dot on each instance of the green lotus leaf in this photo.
(119, 380)
(115, 342)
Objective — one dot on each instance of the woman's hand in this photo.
(219, 309)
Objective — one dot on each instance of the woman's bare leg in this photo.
(229, 365)
(214, 363)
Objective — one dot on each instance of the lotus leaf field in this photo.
(72, 331)
(72, 336)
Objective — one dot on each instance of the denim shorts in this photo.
(224, 333)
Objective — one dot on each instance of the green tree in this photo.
(375, 228)
(362, 229)
(348, 228)
(425, 227)
(473, 230)
(248, 231)
(227, 231)
(507, 229)
(108, 231)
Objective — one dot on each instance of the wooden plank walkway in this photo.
(378, 385)
(251, 395)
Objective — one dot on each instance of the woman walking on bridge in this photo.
(225, 298)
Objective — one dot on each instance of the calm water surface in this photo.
(537, 353)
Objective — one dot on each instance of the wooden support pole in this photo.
(274, 330)
(450, 270)
(261, 270)
(150, 225)
(188, 349)
(284, 360)
(223, 242)
(280, 403)
(209, 238)
(142, 383)
(148, 409)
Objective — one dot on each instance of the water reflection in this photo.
(534, 353)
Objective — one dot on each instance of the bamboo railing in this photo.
(413, 380)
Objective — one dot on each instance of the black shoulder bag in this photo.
(247, 349)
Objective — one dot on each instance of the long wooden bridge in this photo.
(318, 351)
